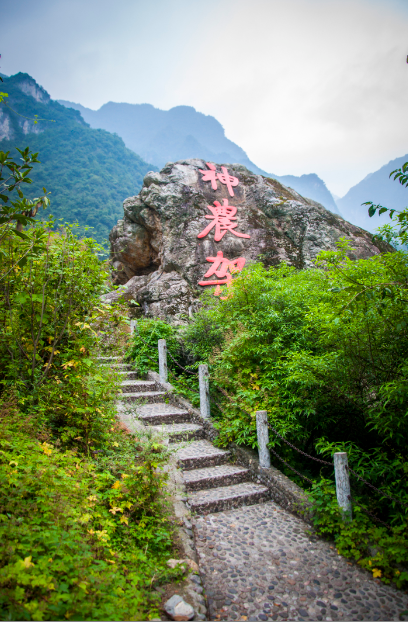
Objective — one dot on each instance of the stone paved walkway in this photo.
(260, 563)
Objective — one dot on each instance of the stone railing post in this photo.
(203, 378)
(163, 373)
(262, 432)
(132, 326)
(343, 484)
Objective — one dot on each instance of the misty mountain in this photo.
(162, 136)
(310, 185)
(379, 188)
(88, 171)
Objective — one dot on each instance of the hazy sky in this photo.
(302, 85)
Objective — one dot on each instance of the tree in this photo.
(17, 213)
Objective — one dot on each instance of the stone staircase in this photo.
(212, 482)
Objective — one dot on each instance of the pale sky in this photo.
(303, 86)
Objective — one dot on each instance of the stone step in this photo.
(226, 498)
(219, 476)
(129, 374)
(119, 367)
(185, 431)
(199, 454)
(143, 397)
(110, 358)
(132, 386)
(161, 413)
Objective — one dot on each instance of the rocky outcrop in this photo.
(161, 239)
(28, 85)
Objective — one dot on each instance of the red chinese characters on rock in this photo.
(221, 266)
(224, 177)
(222, 219)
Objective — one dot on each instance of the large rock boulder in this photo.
(173, 226)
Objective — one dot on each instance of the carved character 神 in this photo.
(224, 177)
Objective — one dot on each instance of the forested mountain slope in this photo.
(88, 171)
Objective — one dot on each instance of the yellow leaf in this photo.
(124, 519)
(49, 559)
(82, 349)
(51, 587)
(115, 443)
(369, 562)
(27, 562)
(377, 573)
(117, 485)
(111, 561)
(46, 448)
(115, 509)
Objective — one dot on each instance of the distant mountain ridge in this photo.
(379, 188)
(162, 136)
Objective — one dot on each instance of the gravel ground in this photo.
(260, 563)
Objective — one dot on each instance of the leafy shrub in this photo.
(144, 353)
(84, 532)
(79, 538)
(378, 549)
(324, 352)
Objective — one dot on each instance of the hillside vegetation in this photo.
(84, 530)
(325, 352)
(88, 172)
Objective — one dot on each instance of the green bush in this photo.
(324, 352)
(84, 530)
(380, 550)
(144, 353)
(80, 538)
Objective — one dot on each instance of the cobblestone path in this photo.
(258, 562)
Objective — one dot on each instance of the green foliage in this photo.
(397, 231)
(18, 213)
(324, 352)
(80, 538)
(144, 353)
(88, 172)
(143, 349)
(378, 549)
(84, 531)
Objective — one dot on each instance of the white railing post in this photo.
(262, 432)
(203, 378)
(162, 361)
(132, 326)
(343, 484)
